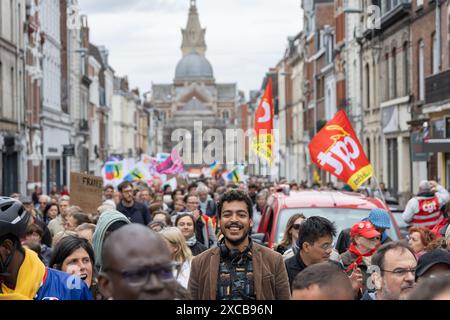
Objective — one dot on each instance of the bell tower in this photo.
(193, 34)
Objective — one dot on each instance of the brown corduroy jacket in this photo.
(270, 275)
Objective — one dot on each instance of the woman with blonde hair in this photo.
(290, 235)
(181, 254)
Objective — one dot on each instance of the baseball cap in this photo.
(364, 229)
(431, 258)
(380, 218)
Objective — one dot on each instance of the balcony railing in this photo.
(389, 18)
(395, 13)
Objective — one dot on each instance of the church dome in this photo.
(194, 67)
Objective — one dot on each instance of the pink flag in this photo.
(172, 165)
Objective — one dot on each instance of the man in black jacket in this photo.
(135, 211)
(315, 243)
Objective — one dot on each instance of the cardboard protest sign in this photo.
(86, 191)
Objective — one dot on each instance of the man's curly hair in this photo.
(235, 195)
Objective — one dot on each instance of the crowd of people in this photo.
(199, 242)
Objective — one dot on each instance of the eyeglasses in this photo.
(139, 277)
(127, 191)
(401, 272)
(326, 246)
(296, 226)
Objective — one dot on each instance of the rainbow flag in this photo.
(233, 175)
(135, 175)
(214, 168)
(113, 171)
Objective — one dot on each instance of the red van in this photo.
(342, 208)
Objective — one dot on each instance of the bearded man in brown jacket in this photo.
(238, 268)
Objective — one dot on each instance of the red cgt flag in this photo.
(262, 143)
(337, 150)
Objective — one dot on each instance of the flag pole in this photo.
(379, 189)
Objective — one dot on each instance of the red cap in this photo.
(364, 229)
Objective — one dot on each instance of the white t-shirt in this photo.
(183, 277)
(256, 219)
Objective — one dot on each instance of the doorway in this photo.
(10, 173)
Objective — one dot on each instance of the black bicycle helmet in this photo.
(13, 217)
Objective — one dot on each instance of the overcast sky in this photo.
(244, 37)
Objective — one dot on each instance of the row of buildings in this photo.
(387, 63)
(62, 106)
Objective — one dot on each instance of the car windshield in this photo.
(343, 218)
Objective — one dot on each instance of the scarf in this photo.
(192, 241)
(353, 249)
(29, 279)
